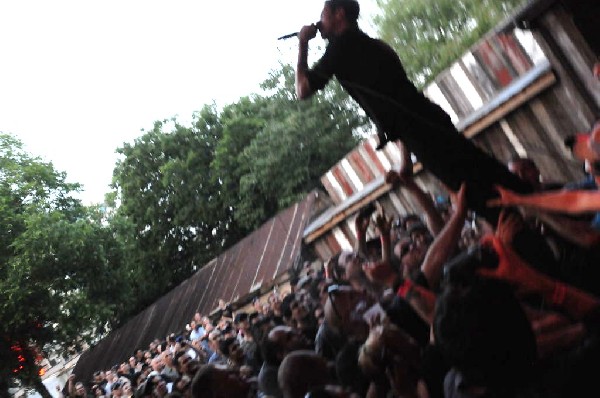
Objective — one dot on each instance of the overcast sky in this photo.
(79, 78)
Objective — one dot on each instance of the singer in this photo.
(371, 72)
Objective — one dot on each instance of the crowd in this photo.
(447, 303)
(439, 304)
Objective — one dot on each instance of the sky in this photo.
(80, 78)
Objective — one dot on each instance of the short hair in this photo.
(350, 7)
(482, 330)
(202, 382)
(314, 373)
(270, 351)
(225, 345)
(176, 357)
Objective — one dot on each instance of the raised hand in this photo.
(509, 223)
(507, 198)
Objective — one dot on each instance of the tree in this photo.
(168, 202)
(60, 280)
(299, 142)
(188, 193)
(431, 34)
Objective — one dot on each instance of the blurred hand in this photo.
(361, 224)
(507, 198)
(511, 268)
(380, 272)
(400, 177)
(384, 224)
(509, 223)
(459, 198)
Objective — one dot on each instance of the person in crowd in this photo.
(217, 381)
(312, 368)
(169, 370)
(280, 341)
(389, 351)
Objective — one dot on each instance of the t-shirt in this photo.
(371, 72)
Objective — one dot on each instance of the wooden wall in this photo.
(519, 104)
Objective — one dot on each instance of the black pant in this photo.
(453, 159)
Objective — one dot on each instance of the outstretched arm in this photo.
(575, 231)
(573, 202)
(303, 89)
(511, 268)
(445, 243)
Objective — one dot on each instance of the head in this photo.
(212, 381)
(185, 364)
(97, 390)
(586, 147)
(390, 351)
(482, 332)
(80, 389)
(352, 264)
(282, 340)
(157, 364)
(344, 310)
(413, 249)
(182, 384)
(99, 377)
(300, 372)
(117, 389)
(241, 321)
(231, 349)
(213, 339)
(527, 170)
(124, 368)
(337, 16)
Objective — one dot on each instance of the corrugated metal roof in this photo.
(255, 261)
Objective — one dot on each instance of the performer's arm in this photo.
(303, 89)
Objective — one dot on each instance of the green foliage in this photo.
(429, 35)
(60, 275)
(167, 208)
(188, 193)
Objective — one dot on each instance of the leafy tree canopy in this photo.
(189, 192)
(60, 275)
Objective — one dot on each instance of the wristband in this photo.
(405, 289)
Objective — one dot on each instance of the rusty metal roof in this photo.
(254, 262)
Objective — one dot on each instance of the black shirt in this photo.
(373, 75)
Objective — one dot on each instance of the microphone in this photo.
(289, 35)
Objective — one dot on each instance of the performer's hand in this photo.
(307, 33)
